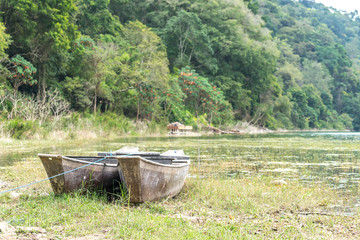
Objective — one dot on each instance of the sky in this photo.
(347, 5)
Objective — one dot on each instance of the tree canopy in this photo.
(278, 64)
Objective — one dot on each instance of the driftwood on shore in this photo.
(245, 129)
(317, 213)
(218, 130)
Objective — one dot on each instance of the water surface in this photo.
(312, 158)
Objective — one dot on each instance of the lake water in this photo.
(312, 158)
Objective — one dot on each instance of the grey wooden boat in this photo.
(100, 175)
(148, 180)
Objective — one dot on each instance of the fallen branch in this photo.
(315, 213)
(218, 130)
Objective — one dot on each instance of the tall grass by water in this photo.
(80, 126)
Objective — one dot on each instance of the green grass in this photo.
(238, 205)
(211, 208)
(80, 126)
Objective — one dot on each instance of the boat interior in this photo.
(113, 160)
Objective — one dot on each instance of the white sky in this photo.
(347, 5)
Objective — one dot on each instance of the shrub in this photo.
(20, 128)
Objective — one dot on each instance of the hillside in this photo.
(276, 64)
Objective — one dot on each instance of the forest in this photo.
(278, 64)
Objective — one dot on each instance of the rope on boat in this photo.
(72, 170)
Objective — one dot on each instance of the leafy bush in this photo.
(22, 72)
(346, 120)
(203, 97)
(20, 128)
(113, 122)
(283, 121)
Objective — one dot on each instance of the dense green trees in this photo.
(4, 44)
(279, 64)
(150, 65)
(187, 41)
(43, 31)
(317, 37)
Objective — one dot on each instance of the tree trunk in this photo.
(41, 91)
(138, 111)
(95, 100)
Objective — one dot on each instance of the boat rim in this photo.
(73, 159)
(179, 165)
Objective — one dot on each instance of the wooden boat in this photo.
(148, 180)
(100, 175)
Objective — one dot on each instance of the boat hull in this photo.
(102, 175)
(147, 180)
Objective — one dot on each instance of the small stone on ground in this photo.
(7, 231)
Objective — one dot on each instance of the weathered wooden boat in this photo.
(103, 173)
(99, 175)
(147, 180)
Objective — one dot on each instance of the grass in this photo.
(80, 126)
(238, 198)
(208, 208)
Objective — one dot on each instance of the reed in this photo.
(75, 126)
